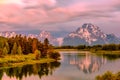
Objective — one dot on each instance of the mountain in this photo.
(45, 34)
(41, 36)
(48, 35)
(89, 34)
(8, 34)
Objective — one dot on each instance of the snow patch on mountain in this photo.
(8, 34)
(89, 34)
(41, 36)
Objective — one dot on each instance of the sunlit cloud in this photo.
(11, 2)
(51, 12)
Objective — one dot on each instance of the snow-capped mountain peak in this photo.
(8, 34)
(45, 34)
(89, 34)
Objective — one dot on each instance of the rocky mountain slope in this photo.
(89, 34)
(41, 36)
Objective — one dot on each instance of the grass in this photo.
(106, 52)
(66, 49)
(20, 60)
(111, 55)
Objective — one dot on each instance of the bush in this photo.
(37, 54)
(55, 55)
(118, 76)
(109, 76)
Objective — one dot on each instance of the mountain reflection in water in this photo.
(86, 62)
(28, 70)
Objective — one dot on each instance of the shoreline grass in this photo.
(66, 49)
(106, 52)
(92, 51)
(20, 60)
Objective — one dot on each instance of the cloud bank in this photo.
(16, 14)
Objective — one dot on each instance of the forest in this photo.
(22, 45)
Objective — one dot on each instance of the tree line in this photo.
(107, 47)
(19, 45)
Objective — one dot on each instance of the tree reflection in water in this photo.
(28, 70)
(1, 74)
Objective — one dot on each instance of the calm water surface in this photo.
(74, 65)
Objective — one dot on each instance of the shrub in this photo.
(118, 76)
(55, 55)
(109, 76)
(37, 54)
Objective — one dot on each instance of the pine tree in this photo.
(14, 49)
(46, 42)
(45, 47)
(34, 45)
(5, 51)
(7, 46)
(19, 50)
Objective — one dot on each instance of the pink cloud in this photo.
(36, 12)
(10, 13)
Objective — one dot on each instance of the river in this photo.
(74, 65)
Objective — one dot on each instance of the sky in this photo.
(59, 15)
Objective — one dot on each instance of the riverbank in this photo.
(20, 60)
(105, 52)
(66, 49)
(111, 55)
(92, 51)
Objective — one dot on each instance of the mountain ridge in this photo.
(89, 34)
(41, 36)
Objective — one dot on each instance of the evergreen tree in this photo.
(19, 50)
(30, 45)
(34, 45)
(46, 42)
(7, 46)
(45, 47)
(24, 45)
(5, 51)
(14, 49)
(2, 42)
